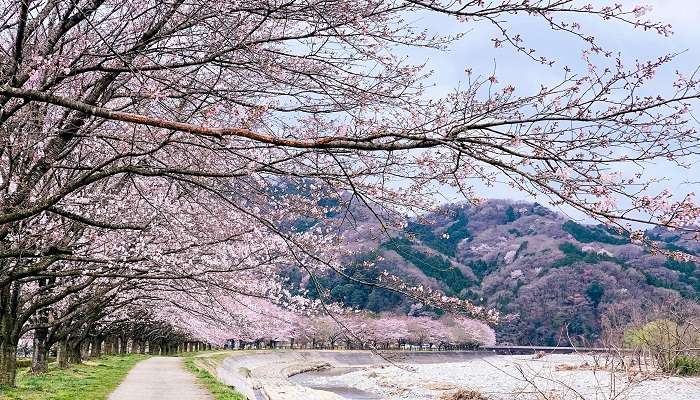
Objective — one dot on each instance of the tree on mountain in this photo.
(595, 292)
(511, 214)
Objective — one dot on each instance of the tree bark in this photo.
(8, 340)
(40, 351)
(123, 344)
(73, 355)
(106, 344)
(85, 350)
(8, 363)
(62, 354)
(96, 348)
(110, 343)
(40, 347)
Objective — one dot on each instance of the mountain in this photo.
(559, 280)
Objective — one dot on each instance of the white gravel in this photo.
(517, 377)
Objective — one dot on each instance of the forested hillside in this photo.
(559, 280)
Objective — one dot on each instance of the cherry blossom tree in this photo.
(146, 141)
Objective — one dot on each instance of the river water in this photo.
(320, 380)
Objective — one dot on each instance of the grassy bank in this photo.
(92, 380)
(204, 368)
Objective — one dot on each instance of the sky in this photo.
(477, 52)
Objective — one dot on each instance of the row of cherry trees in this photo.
(265, 324)
(90, 324)
(143, 145)
(135, 333)
(382, 332)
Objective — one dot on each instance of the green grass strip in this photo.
(219, 390)
(92, 380)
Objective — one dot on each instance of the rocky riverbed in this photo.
(361, 375)
(516, 377)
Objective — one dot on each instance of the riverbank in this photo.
(497, 377)
(203, 367)
(266, 374)
(353, 375)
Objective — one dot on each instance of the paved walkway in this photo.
(160, 378)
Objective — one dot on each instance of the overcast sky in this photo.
(476, 51)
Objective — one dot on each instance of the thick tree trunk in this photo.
(9, 298)
(73, 355)
(62, 354)
(106, 344)
(96, 348)
(122, 344)
(40, 351)
(40, 348)
(85, 350)
(110, 345)
(8, 363)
